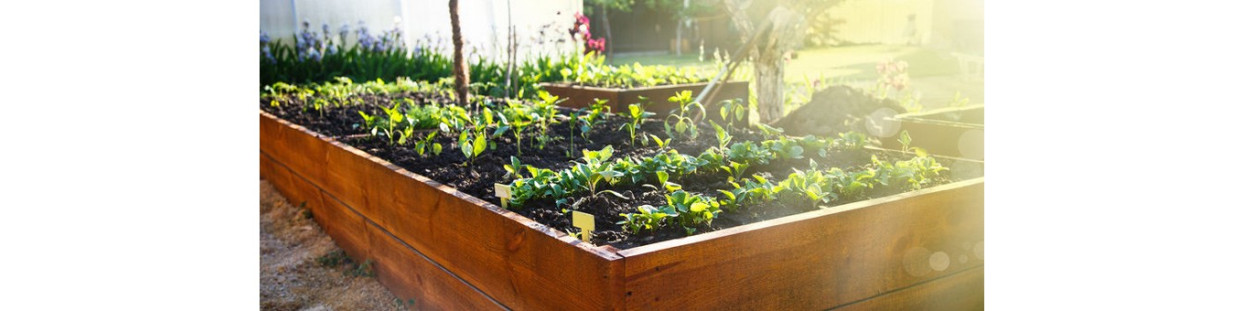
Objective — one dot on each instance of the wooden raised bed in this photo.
(954, 132)
(579, 96)
(449, 250)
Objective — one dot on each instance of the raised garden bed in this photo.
(579, 96)
(452, 250)
(443, 240)
(955, 132)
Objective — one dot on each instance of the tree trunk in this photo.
(607, 30)
(461, 71)
(770, 85)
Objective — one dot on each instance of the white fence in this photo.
(484, 23)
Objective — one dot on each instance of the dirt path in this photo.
(301, 268)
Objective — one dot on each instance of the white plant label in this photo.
(502, 192)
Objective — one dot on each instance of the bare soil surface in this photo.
(301, 268)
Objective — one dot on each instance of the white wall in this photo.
(483, 22)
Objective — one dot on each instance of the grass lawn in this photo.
(850, 63)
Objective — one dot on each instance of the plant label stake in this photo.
(586, 222)
(502, 192)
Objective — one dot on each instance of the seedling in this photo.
(472, 148)
(648, 218)
(904, 140)
(722, 136)
(637, 113)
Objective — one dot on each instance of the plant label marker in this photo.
(586, 222)
(502, 192)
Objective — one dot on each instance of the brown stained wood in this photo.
(814, 260)
(517, 261)
(292, 145)
(408, 275)
(960, 291)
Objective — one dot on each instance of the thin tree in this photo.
(788, 19)
(461, 71)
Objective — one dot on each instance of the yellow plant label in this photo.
(502, 192)
(586, 222)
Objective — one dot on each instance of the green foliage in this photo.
(472, 144)
(904, 140)
(682, 124)
(648, 219)
(731, 111)
(636, 116)
(691, 210)
(722, 136)
(426, 143)
(851, 140)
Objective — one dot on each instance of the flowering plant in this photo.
(582, 31)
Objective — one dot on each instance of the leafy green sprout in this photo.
(426, 142)
(904, 140)
(472, 147)
(732, 110)
(682, 123)
(722, 136)
(636, 116)
(648, 218)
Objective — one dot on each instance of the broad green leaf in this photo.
(480, 144)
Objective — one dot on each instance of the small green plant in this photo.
(394, 118)
(682, 125)
(852, 140)
(904, 140)
(472, 147)
(661, 143)
(733, 110)
(735, 170)
(426, 143)
(514, 168)
(592, 116)
(691, 210)
(648, 219)
(519, 126)
(722, 136)
(637, 113)
(573, 122)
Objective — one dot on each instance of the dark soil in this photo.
(477, 179)
(837, 109)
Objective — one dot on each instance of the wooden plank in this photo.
(939, 137)
(960, 291)
(292, 145)
(521, 263)
(295, 189)
(814, 260)
(408, 275)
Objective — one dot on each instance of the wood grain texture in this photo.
(815, 260)
(517, 261)
(408, 275)
(960, 291)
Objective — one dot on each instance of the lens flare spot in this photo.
(970, 144)
(939, 261)
(883, 123)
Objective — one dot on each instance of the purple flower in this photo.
(344, 32)
(267, 54)
(263, 38)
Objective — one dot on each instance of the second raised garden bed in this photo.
(955, 132)
(579, 96)
(450, 250)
